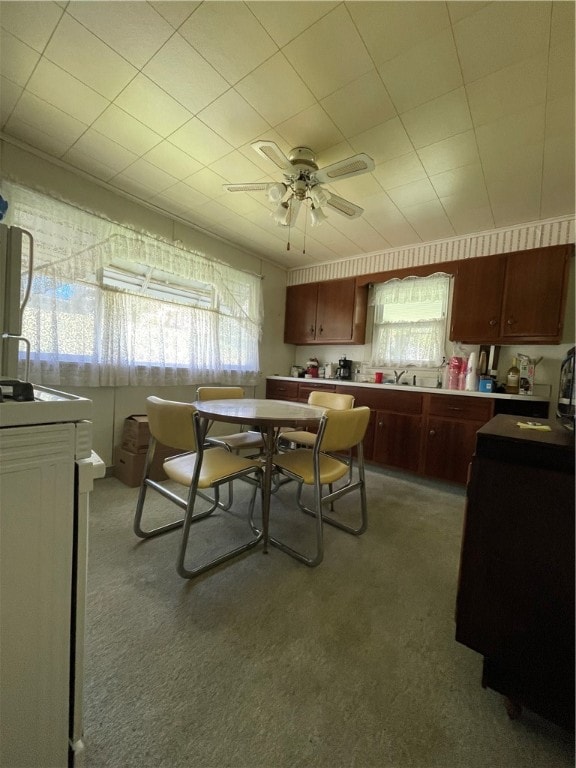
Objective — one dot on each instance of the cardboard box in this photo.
(136, 434)
(129, 466)
(527, 373)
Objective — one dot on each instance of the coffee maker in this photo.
(344, 370)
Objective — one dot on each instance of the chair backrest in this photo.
(219, 393)
(334, 400)
(172, 423)
(341, 430)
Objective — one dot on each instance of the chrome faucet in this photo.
(398, 376)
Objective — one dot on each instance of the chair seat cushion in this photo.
(301, 437)
(218, 464)
(238, 440)
(300, 462)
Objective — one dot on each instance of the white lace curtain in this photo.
(410, 321)
(85, 334)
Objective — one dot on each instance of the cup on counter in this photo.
(378, 377)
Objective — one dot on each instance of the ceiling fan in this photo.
(303, 182)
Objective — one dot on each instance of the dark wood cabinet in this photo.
(450, 435)
(515, 602)
(511, 298)
(279, 389)
(331, 312)
(397, 429)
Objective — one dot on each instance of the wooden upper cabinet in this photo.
(331, 312)
(477, 299)
(511, 298)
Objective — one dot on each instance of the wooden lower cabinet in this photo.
(397, 440)
(277, 389)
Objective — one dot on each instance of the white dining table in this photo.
(269, 416)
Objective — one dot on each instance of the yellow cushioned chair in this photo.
(339, 432)
(335, 400)
(198, 469)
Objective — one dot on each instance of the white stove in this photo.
(49, 406)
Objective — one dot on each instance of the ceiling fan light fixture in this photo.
(318, 196)
(281, 215)
(317, 216)
(276, 192)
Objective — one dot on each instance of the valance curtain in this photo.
(85, 333)
(410, 321)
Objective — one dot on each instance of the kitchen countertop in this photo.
(411, 388)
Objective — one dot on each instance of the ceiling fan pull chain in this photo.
(289, 224)
(305, 222)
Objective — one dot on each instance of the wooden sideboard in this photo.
(515, 603)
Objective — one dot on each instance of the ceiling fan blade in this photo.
(344, 207)
(246, 187)
(345, 169)
(271, 151)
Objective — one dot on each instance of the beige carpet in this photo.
(265, 663)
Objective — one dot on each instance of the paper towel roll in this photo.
(471, 374)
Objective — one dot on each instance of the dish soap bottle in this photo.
(513, 379)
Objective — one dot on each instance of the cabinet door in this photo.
(449, 446)
(281, 390)
(534, 294)
(335, 314)
(477, 300)
(300, 319)
(397, 440)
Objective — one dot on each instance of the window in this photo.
(410, 321)
(112, 307)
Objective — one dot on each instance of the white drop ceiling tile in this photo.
(30, 22)
(228, 36)
(561, 71)
(86, 57)
(465, 220)
(174, 11)
(422, 73)
(310, 128)
(200, 142)
(208, 182)
(64, 91)
(383, 142)
(560, 118)
(275, 90)
(152, 106)
(9, 95)
(439, 119)
(467, 182)
(172, 160)
(501, 34)
(185, 195)
(48, 119)
(171, 206)
(232, 118)
(562, 24)
(149, 175)
(103, 149)
(359, 105)
(31, 134)
(398, 231)
(390, 28)
(503, 144)
(89, 164)
(511, 89)
(236, 168)
(17, 60)
(451, 153)
(360, 232)
(399, 170)
(411, 194)
(132, 187)
(459, 10)
(348, 58)
(558, 178)
(180, 70)
(282, 23)
(515, 200)
(125, 130)
(429, 220)
(240, 203)
(357, 188)
(134, 29)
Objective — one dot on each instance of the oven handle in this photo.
(27, 343)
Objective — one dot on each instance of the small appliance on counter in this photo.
(566, 407)
(329, 371)
(297, 372)
(312, 368)
(344, 370)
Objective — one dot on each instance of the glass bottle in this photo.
(513, 379)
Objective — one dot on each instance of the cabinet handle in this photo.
(493, 322)
(321, 329)
(511, 321)
(380, 423)
(432, 432)
(453, 408)
(311, 330)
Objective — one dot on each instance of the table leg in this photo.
(270, 443)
